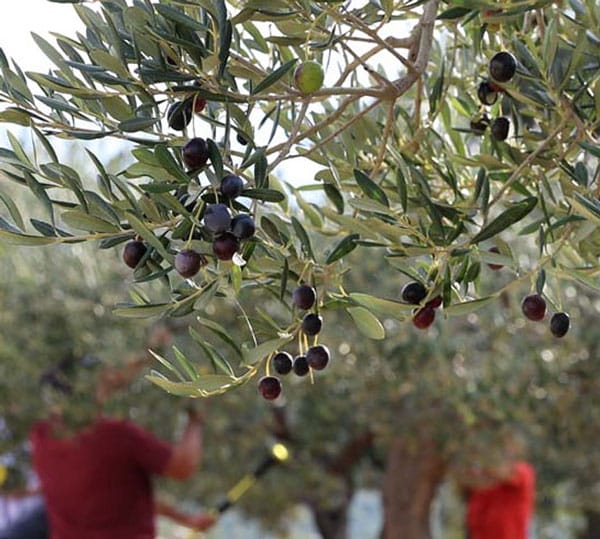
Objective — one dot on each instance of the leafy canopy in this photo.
(406, 162)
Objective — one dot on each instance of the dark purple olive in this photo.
(300, 366)
(318, 357)
(195, 153)
(133, 252)
(304, 296)
(242, 226)
(188, 262)
(282, 362)
(559, 324)
(269, 387)
(312, 324)
(502, 66)
(534, 307)
(231, 186)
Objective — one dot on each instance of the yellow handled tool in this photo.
(278, 453)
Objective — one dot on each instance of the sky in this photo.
(39, 16)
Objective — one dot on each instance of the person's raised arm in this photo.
(198, 521)
(187, 452)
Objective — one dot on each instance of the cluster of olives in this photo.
(502, 68)
(533, 307)
(179, 113)
(226, 231)
(316, 357)
(414, 293)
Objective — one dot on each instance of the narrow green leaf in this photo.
(261, 179)
(383, 307)
(205, 386)
(168, 365)
(594, 149)
(580, 174)
(370, 188)
(84, 221)
(367, 323)
(402, 188)
(586, 207)
(185, 364)
(216, 359)
(49, 51)
(18, 150)
(273, 77)
(110, 62)
(179, 389)
(221, 332)
(284, 279)
(454, 13)
(258, 353)
(345, 246)
(88, 135)
(436, 90)
(266, 195)
(14, 236)
(540, 281)
(334, 195)
(12, 209)
(46, 144)
(38, 190)
(303, 237)
(466, 307)
(225, 35)
(215, 157)
(587, 278)
(178, 16)
(169, 163)
(481, 178)
(141, 311)
(512, 215)
(16, 116)
(137, 124)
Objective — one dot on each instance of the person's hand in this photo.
(201, 521)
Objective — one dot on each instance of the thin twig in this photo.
(317, 127)
(295, 129)
(426, 25)
(389, 123)
(529, 159)
(341, 129)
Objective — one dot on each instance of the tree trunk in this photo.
(592, 530)
(414, 469)
(332, 523)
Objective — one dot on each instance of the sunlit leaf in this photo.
(367, 323)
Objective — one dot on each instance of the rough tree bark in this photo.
(414, 469)
(332, 523)
(592, 529)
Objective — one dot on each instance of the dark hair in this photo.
(61, 376)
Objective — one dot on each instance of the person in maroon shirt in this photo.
(97, 478)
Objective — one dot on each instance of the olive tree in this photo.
(437, 137)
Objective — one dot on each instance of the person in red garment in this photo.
(500, 500)
(96, 472)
